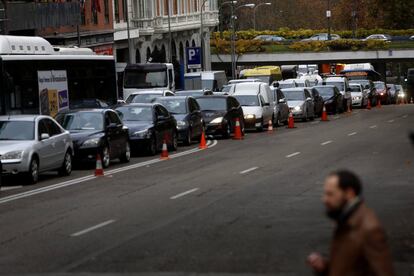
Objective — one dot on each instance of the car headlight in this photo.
(181, 123)
(401, 95)
(249, 116)
(356, 98)
(94, 142)
(298, 108)
(218, 120)
(382, 94)
(18, 154)
(142, 134)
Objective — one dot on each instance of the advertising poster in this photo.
(53, 91)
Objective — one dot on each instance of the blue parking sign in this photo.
(193, 57)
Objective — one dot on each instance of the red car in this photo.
(383, 93)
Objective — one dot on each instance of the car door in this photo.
(46, 150)
(265, 104)
(195, 117)
(161, 125)
(114, 133)
(283, 107)
(58, 141)
(310, 105)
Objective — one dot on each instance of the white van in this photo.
(209, 80)
(256, 101)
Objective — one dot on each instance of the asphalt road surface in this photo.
(246, 207)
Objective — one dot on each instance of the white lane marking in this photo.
(374, 126)
(326, 143)
(405, 116)
(292, 154)
(184, 193)
(315, 122)
(390, 121)
(336, 117)
(87, 230)
(352, 133)
(249, 170)
(90, 177)
(8, 188)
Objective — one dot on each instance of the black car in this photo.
(149, 126)
(194, 93)
(88, 103)
(187, 112)
(220, 114)
(96, 131)
(318, 100)
(332, 98)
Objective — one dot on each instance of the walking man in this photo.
(359, 245)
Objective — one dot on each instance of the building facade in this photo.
(149, 30)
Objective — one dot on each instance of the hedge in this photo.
(305, 33)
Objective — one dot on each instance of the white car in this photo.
(31, 144)
(283, 84)
(382, 37)
(359, 95)
(256, 101)
(147, 96)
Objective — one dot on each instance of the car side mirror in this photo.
(44, 136)
(282, 101)
(309, 99)
(276, 84)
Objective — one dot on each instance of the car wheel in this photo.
(174, 142)
(66, 168)
(106, 158)
(227, 131)
(33, 173)
(153, 147)
(126, 156)
(188, 139)
(261, 127)
(277, 121)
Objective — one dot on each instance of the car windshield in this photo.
(295, 95)
(226, 88)
(135, 113)
(340, 85)
(300, 84)
(87, 103)
(142, 98)
(140, 79)
(81, 121)
(214, 104)
(363, 82)
(192, 93)
(173, 105)
(325, 91)
(16, 130)
(379, 85)
(248, 100)
(355, 88)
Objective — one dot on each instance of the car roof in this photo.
(139, 104)
(81, 110)
(213, 97)
(21, 117)
(294, 89)
(175, 98)
(149, 92)
(323, 86)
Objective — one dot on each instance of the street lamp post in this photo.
(233, 36)
(202, 34)
(328, 16)
(169, 33)
(254, 12)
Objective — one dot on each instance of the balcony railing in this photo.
(178, 22)
(30, 15)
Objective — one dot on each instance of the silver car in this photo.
(300, 103)
(31, 144)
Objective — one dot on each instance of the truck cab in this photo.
(149, 76)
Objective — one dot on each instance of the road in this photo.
(246, 207)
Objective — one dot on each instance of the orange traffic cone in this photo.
(379, 104)
(349, 110)
(99, 169)
(369, 104)
(203, 143)
(237, 130)
(324, 117)
(270, 127)
(291, 122)
(164, 152)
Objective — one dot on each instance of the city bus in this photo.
(37, 78)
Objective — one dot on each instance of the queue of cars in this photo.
(148, 119)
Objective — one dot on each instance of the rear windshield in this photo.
(214, 104)
(248, 100)
(142, 98)
(294, 95)
(173, 105)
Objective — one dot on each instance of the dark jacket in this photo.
(359, 246)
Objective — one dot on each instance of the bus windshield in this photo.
(141, 79)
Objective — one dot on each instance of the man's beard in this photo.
(335, 213)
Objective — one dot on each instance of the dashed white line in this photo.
(326, 143)
(336, 117)
(292, 154)
(8, 188)
(390, 121)
(315, 122)
(249, 170)
(352, 133)
(87, 230)
(374, 126)
(405, 116)
(90, 177)
(184, 193)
